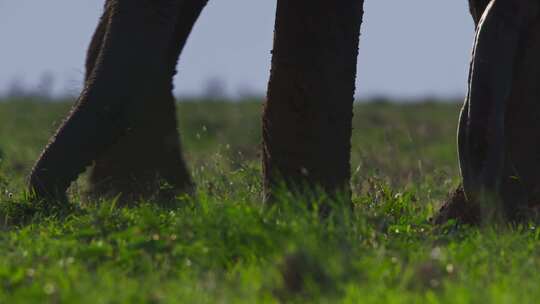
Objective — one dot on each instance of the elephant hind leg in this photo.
(116, 94)
(148, 155)
(147, 161)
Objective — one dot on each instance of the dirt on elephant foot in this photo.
(456, 207)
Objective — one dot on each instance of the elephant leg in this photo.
(307, 120)
(491, 83)
(133, 64)
(145, 158)
(150, 153)
(482, 133)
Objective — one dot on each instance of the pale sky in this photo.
(408, 48)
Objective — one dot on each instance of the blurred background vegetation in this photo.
(407, 144)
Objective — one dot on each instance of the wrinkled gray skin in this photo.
(499, 128)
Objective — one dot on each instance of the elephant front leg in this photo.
(132, 65)
(497, 45)
(307, 120)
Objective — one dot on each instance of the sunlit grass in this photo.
(224, 245)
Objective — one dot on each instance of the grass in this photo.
(223, 246)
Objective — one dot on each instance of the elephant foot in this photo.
(146, 164)
(45, 197)
(132, 184)
(131, 189)
(50, 178)
(456, 207)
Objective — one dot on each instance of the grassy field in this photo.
(223, 246)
